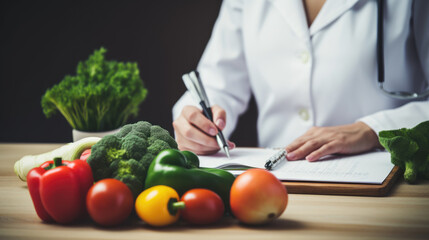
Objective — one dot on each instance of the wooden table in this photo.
(403, 214)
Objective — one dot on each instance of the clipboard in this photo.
(348, 189)
(297, 184)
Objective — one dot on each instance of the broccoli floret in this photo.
(124, 130)
(409, 149)
(110, 141)
(138, 134)
(134, 183)
(100, 168)
(157, 146)
(126, 167)
(107, 150)
(143, 127)
(158, 133)
(131, 172)
(135, 146)
(147, 159)
(127, 155)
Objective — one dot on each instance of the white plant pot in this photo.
(77, 135)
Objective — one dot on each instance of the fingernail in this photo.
(231, 145)
(212, 131)
(290, 156)
(220, 123)
(310, 158)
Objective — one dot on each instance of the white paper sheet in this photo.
(370, 168)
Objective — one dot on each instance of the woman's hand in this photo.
(321, 141)
(196, 133)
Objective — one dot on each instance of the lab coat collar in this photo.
(330, 11)
(294, 13)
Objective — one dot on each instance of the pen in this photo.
(194, 84)
(219, 136)
(274, 160)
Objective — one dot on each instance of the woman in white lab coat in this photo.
(314, 79)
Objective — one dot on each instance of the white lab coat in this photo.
(325, 75)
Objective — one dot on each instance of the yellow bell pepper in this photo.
(158, 206)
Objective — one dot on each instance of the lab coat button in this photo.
(303, 113)
(305, 56)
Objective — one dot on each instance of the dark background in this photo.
(42, 41)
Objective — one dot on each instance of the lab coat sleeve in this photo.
(412, 113)
(223, 67)
(406, 116)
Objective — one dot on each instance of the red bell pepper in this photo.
(58, 189)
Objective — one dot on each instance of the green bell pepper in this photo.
(180, 170)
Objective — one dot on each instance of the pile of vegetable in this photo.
(177, 189)
(100, 97)
(140, 169)
(409, 149)
(255, 197)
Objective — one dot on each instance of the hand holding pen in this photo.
(195, 132)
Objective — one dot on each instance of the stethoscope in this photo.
(380, 62)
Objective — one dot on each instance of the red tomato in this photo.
(202, 206)
(109, 202)
(85, 154)
(257, 197)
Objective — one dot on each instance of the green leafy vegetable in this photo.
(409, 149)
(127, 154)
(101, 97)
